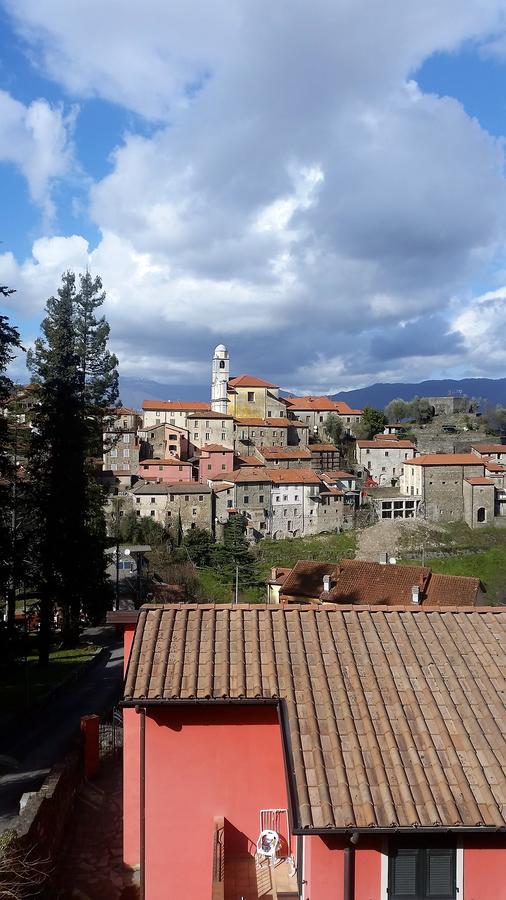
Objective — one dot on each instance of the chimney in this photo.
(326, 583)
(274, 573)
(415, 594)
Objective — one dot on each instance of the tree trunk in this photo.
(44, 630)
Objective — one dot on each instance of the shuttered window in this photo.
(422, 873)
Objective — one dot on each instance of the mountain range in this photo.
(488, 390)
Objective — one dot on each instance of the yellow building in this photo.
(253, 398)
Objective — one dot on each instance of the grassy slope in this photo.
(23, 686)
(324, 547)
(480, 553)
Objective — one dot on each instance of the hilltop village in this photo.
(295, 466)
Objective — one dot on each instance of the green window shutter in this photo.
(403, 874)
(440, 873)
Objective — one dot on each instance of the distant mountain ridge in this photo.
(490, 390)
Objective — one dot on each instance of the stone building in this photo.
(250, 397)
(170, 412)
(284, 457)
(166, 502)
(449, 406)
(493, 452)
(163, 441)
(315, 410)
(324, 456)
(479, 501)
(246, 491)
(121, 453)
(384, 458)
(165, 470)
(438, 480)
(209, 427)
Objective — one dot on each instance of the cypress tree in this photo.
(9, 341)
(76, 378)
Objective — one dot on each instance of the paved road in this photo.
(50, 730)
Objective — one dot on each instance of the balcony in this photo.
(237, 873)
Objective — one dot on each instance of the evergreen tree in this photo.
(372, 423)
(76, 379)
(199, 544)
(9, 341)
(235, 552)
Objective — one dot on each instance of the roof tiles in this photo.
(394, 718)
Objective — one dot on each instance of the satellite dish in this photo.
(392, 560)
(127, 551)
(267, 843)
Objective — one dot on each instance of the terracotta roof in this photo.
(323, 448)
(272, 423)
(179, 487)
(285, 452)
(387, 443)
(176, 405)
(306, 578)
(391, 718)
(446, 459)
(172, 461)
(218, 487)
(362, 582)
(338, 475)
(122, 411)
(489, 448)
(245, 460)
(492, 466)
(480, 481)
(247, 474)
(209, 414)
(322, 403)
(216, 448)
(293, 476)
(250, 381)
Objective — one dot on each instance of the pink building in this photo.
(168, 471)
(213, 460)
(371, 742)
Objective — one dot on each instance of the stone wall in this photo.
(40, 828)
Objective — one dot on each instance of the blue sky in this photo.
(325, 194)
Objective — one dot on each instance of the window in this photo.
(285, 498)
(481, 515)
(422, 873)
(223, 424)
(153, 499)
(251, 396)
(138, 512)
(229, 504)
(209, 467)
(126, 453)
(223, 467)
(153, 511)
(172, 498)
(114, 452)
(386, 452)
(194, 511)
(195, 435)
(180, 468)
(137, 499)
(223, 436)
(201, 497)
(222, 363)
(160, 468)
(321, 418)
(208, 435)
(296, 498)
(186, 498)
(172, 448)
(207, 424)
(260, 498)
(246, 500)
(367, 451)
(269, 414)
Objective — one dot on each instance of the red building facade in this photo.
(228, 712)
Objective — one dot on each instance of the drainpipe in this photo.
(349, 869)
(142, 799)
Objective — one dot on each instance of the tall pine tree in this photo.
(76, 378)
(9, 341)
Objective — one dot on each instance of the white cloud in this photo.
(482, 325)
(299, 191)
(37, 139)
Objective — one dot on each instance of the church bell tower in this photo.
(219, 380)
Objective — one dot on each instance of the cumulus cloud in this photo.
(299, 198)
(37, 139)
